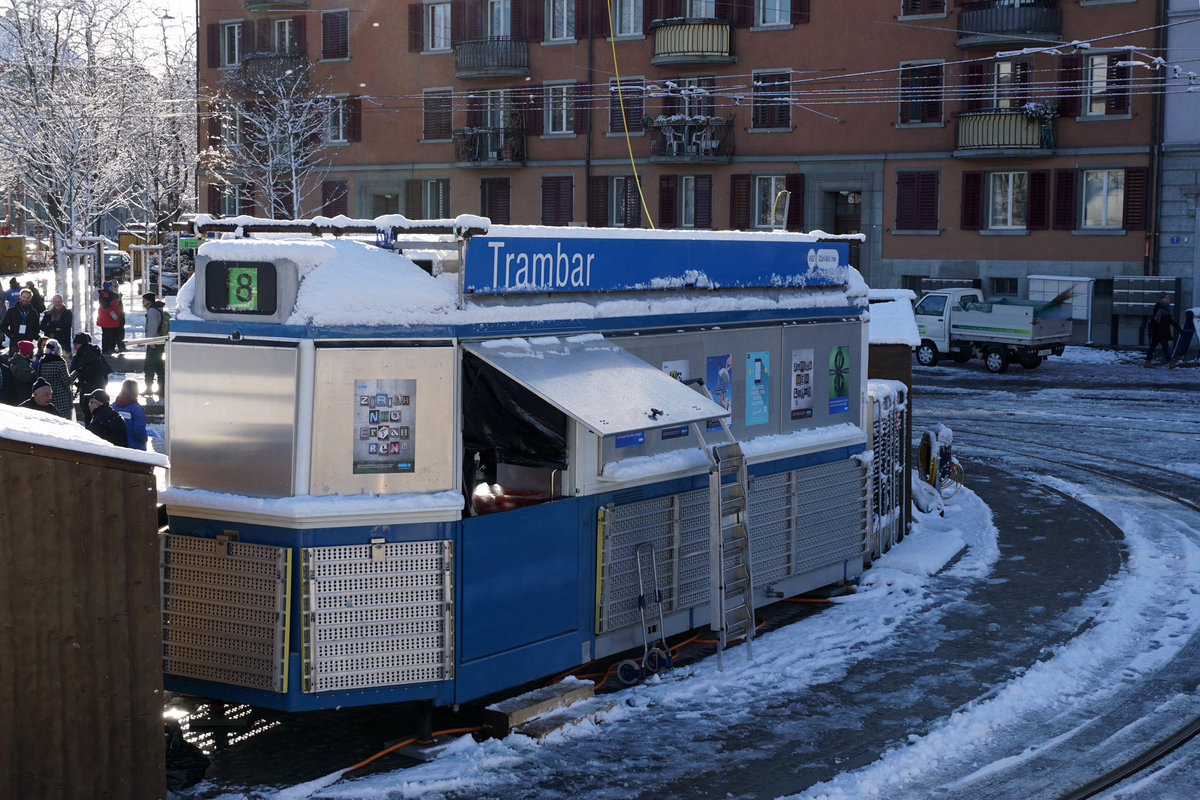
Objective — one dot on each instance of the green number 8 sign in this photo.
(243, 288)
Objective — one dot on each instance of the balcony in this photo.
(259, 68)
(494, 57)
(275, 5)
(998, 23)
(691, 140)
(1000, 132)
(489, 147)
(692, 41)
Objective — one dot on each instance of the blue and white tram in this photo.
(446, 460)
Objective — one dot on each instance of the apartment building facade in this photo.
(965, 139)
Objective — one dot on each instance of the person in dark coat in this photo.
(155, 309)
(130, 410)
(106, 423)
(89, 369)
(22, 369)
(21, 323)
(111, 319)
(8, 383)
(58, 321)
(38, 302)
(54, 370)
(1159, 327)
(41, 398)
(1186, 332)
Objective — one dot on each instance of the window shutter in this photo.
(214, 200)
(800, 12)
(581, 98)
(739, 202)
(474, 112)
(566, 199)
(494, 196)
(262, 38)
(672, 9)
(516, 19)
(975, 86)
(416, 27)
(354, 121)
(709, 84)
(214, 46)
(535, 106)
(1037, 212)
(246, 202)
(328, 36)
(927, 201)
(743, 13)
(1137, 195)
(666, 201)
(300, 35)
(649, 14)
(723, 9)
(906, 201)
(1116, 94)
(1064, 199)
(535, 21)
(1022, 72)
(458, 19)
(582, 30)
(550, 201)
(794, 183)
(443, 197)
(600, 23)
(333, 198)
(474, 19)
(1070, 88)
(412, 199)
(633, 203)
(597, 211)
(972, 200)
(931, 89)
(704, 201)
(670, 104)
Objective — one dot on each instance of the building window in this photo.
(494, 199)
(557, 199)
(1010, 84)
(770, 209)
(285, 39)
(920, 93)
(498, 19)
(560, 19)
(1009, 195)
(695, 97)
(917, 201)
(632, 94)
(1003, 287)
(627, 17)
(1103, 197)
(335, 34)
(335, 197)
(624, 202)
(1106, 85)
(687, 201)
(772, 12)
(437, 26)
(231, 200)
(435, 115)
(427, 198)
(701, 9)
(770, 101)
(559, 111)
(231, 44)
(337, 121)
(917, 7)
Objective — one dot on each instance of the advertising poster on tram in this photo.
(384, 425)
(839, 380)
(802, 383)
(758, 386)
(679, 370)
(719, 380)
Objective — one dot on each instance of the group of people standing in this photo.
(1162, 327)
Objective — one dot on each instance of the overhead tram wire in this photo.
(625, 122)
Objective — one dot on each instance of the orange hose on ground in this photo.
(406, 743)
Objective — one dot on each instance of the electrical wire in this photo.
(625, 123)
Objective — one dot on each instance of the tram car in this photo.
(437, 460)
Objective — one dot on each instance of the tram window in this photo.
(514, 442)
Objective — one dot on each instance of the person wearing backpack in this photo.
(158, 323)
(90, 369)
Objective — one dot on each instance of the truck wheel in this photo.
(927, 354)
(996, 360)
(1031, 362)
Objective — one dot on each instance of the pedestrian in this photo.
(54, 370)
(1159, 327)
(41, 398)
(8, 383)
(13, 295)
(89, 369)
(21, 323)
(157, 324)
(110, 318)
(58, 321)
(1186, 332)
(38, 302)
(104, 422)
(22, 369)
(127, 407)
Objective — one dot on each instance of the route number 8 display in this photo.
(243, 288)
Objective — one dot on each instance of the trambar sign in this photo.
(516, 264)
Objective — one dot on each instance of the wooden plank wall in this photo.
(893, 362)
(80, 628)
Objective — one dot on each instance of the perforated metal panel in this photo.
(377, 615)
(225, 611)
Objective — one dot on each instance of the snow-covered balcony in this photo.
(691, 40)
(493, 57)
(996, 23)
(489, 147)
(996, 131)
(260, 68)
(680, 139)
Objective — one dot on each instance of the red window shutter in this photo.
(975, 86)
(1116, 94)
(906, 201)
(739, 202)
(354, 121)
(600, 23)
(458, 21)
(566, 200)
(300, 35)
(794, 183)
(214, 200)
(666, 201)
(743, 13)
(534, 102)
(1037, 212)
(535, 21)
(672, 9)
(1070, 87)
(474, 112)
(494, 194)
(551, 186)
(516, 19)
(633, 203)
(927, 201)
(723, 9)
(931, 91)
(412, 199)
(1137, 196)
(416, 27)
(972, 200)
(597, 201)
(670, 103)
(474, 19)
(703, 201)
(214, 46)
(262, 38)
(335, 34)
(709, 84)
(582, 100)
(1022, 74)
(1065, 199)
(649, 14)
(582, 28)
(800, 12)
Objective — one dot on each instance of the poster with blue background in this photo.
(758, 388)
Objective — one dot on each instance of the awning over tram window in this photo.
(606, 388)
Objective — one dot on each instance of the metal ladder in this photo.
(731, 588)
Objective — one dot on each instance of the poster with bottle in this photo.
(384, 425)
(802, 384)
(719, 380)
(679, 370)
(839, 380)
(758, 388)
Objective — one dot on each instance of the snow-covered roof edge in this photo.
(893, 322)
(48, 430)
(580, 232)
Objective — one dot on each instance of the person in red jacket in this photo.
(110, 318)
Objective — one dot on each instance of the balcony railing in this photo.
(269, 67)
(489, 147)
(693, 41)
(1000, 129)
(680, 139)
(997, 22)
(494, 57)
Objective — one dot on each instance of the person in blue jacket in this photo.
(1186, 332)
(130, 410)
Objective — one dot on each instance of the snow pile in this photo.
(1091, 355)
(49, 430)
(892, 322)
(308, 507)
(880, 295)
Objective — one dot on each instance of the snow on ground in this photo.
(1095, 355)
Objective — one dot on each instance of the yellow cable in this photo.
(625, 123)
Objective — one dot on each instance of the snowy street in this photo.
(1059, 644)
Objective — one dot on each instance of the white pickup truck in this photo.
(960, 324)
